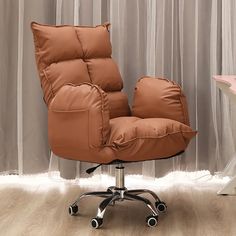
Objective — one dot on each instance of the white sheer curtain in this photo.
(185, 40)
(227, 133)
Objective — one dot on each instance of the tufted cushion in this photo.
(54, 44)
(137, 139)
(64, 72)
(160, 98)
(118, 104)
(105, 73)
(76, 54)
(95, 41)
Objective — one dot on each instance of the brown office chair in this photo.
(89, 118)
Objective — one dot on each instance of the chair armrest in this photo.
(78, 118)
(159, 98)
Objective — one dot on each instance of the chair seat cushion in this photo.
(136, 139)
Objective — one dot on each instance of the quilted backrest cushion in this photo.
(54, 44)
(64, 72)
(109, 81)
(159, 98)
(95, 41)
(75, 54)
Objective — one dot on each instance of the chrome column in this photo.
(120, 180)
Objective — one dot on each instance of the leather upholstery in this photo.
(118, 104)
(109, 81)
(79, 114)
(68, 54)
(152, 96)
(88, 115)
(136, 139)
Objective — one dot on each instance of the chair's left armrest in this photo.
(159, 98)
(78, 118)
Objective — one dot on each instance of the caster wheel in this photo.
(152, 221)
(96, 222)
(161, 207)
(111, 189)
(112, 204)
(73, 209)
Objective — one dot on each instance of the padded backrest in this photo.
(76, 54)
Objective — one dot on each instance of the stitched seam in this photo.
(159, 137)
(37, 51)
(37, 47)
(50, 84)
(88, 70)
(102, 113)
(59, 26)
(143, 77)
(77, 36)
(73, 110)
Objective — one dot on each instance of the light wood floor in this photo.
(193, 209)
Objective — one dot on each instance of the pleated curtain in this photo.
(187, 41)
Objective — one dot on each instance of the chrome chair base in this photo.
(121, 193)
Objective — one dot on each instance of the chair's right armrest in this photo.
(159, 98)
(78, 118)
